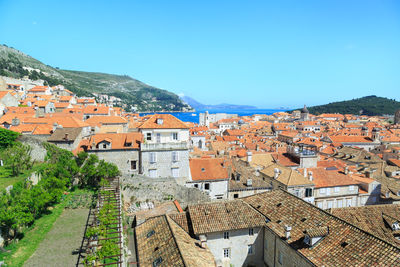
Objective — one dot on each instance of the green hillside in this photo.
(368, 105)
(134, 93)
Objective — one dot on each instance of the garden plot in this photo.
(61, 244)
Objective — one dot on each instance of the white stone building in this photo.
(165, 149)
(209, 175)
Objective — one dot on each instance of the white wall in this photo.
(238, 243)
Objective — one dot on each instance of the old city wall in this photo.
(141, 188)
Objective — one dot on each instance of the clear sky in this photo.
(263, 53)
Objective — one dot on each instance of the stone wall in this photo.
(121, 158)
(140, 189)
(36, 143)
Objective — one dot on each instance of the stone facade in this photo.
(238, 244)
(278, 253)
(216, 189)
(165, 153)
(122, 158)
(165, 163)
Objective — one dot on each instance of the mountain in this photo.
(367, 105)
(134, 93)
(199, 106)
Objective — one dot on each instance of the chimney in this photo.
(249, 183)
(15, 122)
(276, 173)
(66, 137)
(249, 156)
(305, 172)
(387, 194)
(257, 147)
(310, 177)
(287, 231)
(203, 240)
(346, 170)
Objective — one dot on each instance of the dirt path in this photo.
(62, 242)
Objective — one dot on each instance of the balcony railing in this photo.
(164, 146)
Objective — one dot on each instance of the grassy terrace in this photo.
(56, 240)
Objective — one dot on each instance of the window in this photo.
(175, 172)
(251, 231)
(174, 156)
(337, 189)
(328, 191)
(158, 138)
(330, 204)
(104, 145)
(175, 136)
(322, 191)
(227, 252)
(207, 186)
(226, 235)
(280, 257)
(133, 164)
(235, 195)
(152, 157)
(348, 202)
(196, 185)
(153, 173)
(340, 203)
(351, 188)
(250, 250)
(148, 136)
(308, 192)
(157, 262)
(320, 204)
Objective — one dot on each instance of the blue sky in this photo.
(263, 53)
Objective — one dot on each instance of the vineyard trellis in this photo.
(102, 243)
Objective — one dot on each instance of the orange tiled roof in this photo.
(207, 169)
(169, 122)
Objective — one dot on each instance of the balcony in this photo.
(164, 146)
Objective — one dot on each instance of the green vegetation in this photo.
(19, 252)
(7, 138)
(132, 92)
(103, 234)
(66, 233)
(26, 203)
(368, 105)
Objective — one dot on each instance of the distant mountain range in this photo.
(367, 105)
(134, 93)
(199, 106)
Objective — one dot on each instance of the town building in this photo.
(165, 148)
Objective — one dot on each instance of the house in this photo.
(66, 138)
(245, 178)
(108, 124)
(297, 233)
(333, 189)
(43, 106)
(40, 90)
(8, 100)
(209, 175)
(379, 220)
(160, 241)
(165, 149)
(232, 230)
(122, 149)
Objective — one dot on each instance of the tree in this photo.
(18, 157)
(7, 137)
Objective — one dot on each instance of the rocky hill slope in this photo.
(134, 93)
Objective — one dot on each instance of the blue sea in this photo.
(194, 116)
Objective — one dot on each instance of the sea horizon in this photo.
(194, 115)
